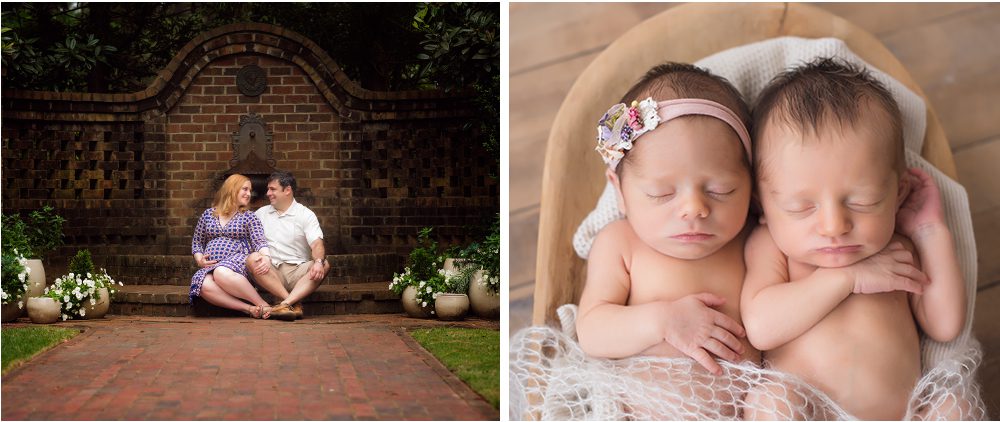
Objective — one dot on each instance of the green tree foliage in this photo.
(120, 47)
(461, 43)
(462, 48)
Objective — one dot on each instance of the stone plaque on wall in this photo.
(251, 80)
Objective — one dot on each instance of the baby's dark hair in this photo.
(671, 81)
(823, 92)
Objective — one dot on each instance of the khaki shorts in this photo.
(290, 274)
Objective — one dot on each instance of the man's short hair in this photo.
(284, 178)
(824, 92)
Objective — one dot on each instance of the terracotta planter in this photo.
(411, 306)
(43, 310)
(11, 312)
(451, 307)
(100, 308)
(484, 303)
(36, 279)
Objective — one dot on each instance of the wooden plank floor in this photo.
(949, 49)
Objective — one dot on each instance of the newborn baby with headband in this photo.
(666, 280)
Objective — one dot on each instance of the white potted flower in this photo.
(451, 302)
(417, 282)
(480, 263)
(41, 234)
(15, 284)
(83, 293)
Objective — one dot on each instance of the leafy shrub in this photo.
(82, 263)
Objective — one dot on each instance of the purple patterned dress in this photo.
(230, 244)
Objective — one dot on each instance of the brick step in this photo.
(168, 300)
(176, 270)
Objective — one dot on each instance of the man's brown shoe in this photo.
(297, 308)
(283, 312)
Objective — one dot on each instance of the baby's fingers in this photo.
(705, 360)
(912, 273)
(903, 256)
(728, 339)
(729, 324)
(723, 349)
(908, 284)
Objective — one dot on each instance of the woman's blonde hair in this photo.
(226, 199)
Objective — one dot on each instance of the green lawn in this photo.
(20, 344)
(472, 354)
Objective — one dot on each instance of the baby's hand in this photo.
(922, 208)
(694, 328)
(887, 271)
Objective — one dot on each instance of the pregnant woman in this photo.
(225, 235)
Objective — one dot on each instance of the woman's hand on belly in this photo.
(203, 260)
(694, 328)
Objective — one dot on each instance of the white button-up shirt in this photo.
(290, 234)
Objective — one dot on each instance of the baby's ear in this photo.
(613, 178)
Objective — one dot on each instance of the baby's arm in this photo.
(608, 328)
(776, 311)
(940, 311)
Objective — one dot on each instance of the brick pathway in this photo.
(327, 367)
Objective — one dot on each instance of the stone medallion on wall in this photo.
(251, 80)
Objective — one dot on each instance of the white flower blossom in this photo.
(83, 312)
(423, 304)
(20, 304)
(648, 113)
(65, 317)
(429, 289)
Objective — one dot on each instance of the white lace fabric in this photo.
(551, 377)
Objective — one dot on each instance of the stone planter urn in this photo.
(43, 310)
(410, 305)
(451, 307)
(36, 278)
(11, 312)
(482, 300)
(100, 308)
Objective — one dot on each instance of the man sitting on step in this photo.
(295, 239)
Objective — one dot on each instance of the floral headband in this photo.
(618, 130)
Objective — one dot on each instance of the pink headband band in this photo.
(621, 126)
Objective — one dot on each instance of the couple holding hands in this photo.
(281, 244)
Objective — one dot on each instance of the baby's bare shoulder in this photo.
(618, 233)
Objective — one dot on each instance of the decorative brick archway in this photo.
(132, 172)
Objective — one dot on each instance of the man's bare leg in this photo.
(304, 287)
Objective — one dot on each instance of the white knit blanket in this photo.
(750, 68)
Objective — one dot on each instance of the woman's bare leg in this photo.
(237, 286)
(212, 293)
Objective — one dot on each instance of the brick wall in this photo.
(132, 172)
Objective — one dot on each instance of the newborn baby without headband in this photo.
(618, 130)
